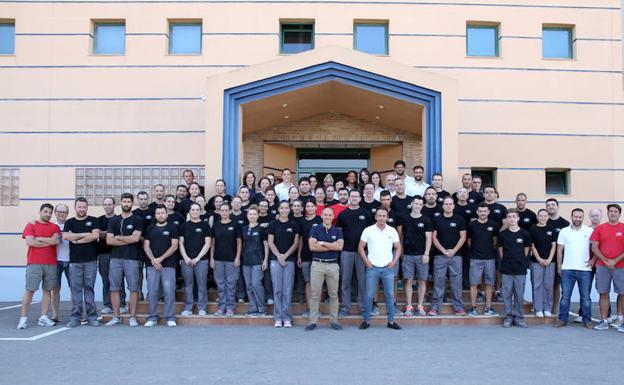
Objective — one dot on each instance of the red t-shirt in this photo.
(319, 210)
(338, 208)
(41, 255)
(611, 241)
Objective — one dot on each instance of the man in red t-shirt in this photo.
(41, 237)
(342, 205)
(608, 247)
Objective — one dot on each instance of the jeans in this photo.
(63, 266)
(283, 279)
(82, 282)
(568, 279)
(226, 276)
(255, 290)
(104, 268)
(373, 275)
(348, 261)
(166, 277)
(198, 273)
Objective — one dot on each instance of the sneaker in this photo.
(306, 314)
(620, 328)
(73, 324)
(113, 322)
(83, 321)
(421, 312)
(241, 300)
(343, 313)
(539, 314)
(364, 325)
(45, 321)
(287, 324)
(578, 320)
(150, 324)
(335, 326)
(602, 325)
(310, 327)
(433, 313)
(106, 310)
(123, 310)
(397, 311)
(409, 311)
(547, 313)
(261, 314)
(507, 323)
(490, 312)
(473, 312)
(171, 324)
(520, 323)
(202, 313)
(270, 302)
(375, 311)
(219, 313)
(250, 313)
(460, 313)
(94, 323)
(132, 322)
(23, 323)
(229, 313)
(394, 326)
(278, 324)
(186, 313)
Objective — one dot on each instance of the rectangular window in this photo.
(481, 40)
(7, 37)
(557, 43)
(9, 186)
(296, 37)
(109, 38)
(371, 38)
(185, 38)
(557, 182)
(97, 183)
(488, 176)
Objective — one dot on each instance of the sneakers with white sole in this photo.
(602, 325)
(113, 322)
(45, 321)
(23, 323)
(202, 313)
(150, 324)
(539, 314)
(132, 322)
(547, 313)
(186, 313)
(287, 324)
(106, 310)
(278, 324)
(172, 324)
(578, 320)
(123, 310)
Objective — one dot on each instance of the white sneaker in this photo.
(620, 329)
(172, 324)
(278, 324)
(287, 324)
(539, 314)
(578, 320)
(45, 321)
(106, 310)
(547, 314)
(132, 322)
(602, 325)
(123, 310)
(186, 313)
(23, 323)
(270, 302)
(113, 322)
(150, 324)
(202, 313)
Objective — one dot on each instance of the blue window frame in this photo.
(7, 38)
(371, 38)
(296, 37)
(482, 40)
(557, 43)
(109, 39)
(185, 38)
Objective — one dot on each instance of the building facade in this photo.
(98, 97)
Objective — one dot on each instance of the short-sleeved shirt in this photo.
(610, 240)
(527, 219)
(306, 226)
(119, 225)
(239, 219)
(41, 255)
(371, 207)
(542, 239)
(468, 212)
(83, 252)
(253, 244)
(558, 224)
(498, 212)
(210, 206)
(353, 222)
(448, 230)
(321, 233)
(194, 235)
(415, 234)
(338, 209)
(576, 245)
(284, 234)
(474, 198)
(441, 196)
(431, 212)
(380, 244)
(103, 247)
(514, 260)
(147, 215)
(160, 239)
(402, 206)
(176, 219)
(62, 249)
(482, 239)
(394, 219)
(225, 236)
(282, 191)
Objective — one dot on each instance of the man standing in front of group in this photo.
(41, 238)
(82, 233)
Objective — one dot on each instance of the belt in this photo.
(335, 260)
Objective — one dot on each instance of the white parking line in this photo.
(14, 306)
(37, 337)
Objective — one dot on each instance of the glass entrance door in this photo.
(335, 161)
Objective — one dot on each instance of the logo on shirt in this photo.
(374, 210)
(289, 230)
(453, 224)
(314, 224)
(362, 217)
(130, 227)
(231, 228)
(471, 200)
(497, 211)
(255, 233)
(468, 211)
(557, 230)
(333, 237)
(436, 214)
(409, 206)
(165, 233)
(240, 221)
(527, 219)
(490, 229)
(618, 234)
(519, 240)
(390, 220)
(198, 230)
(549, 233)
(176, 222)
(421, 225)
(148, 217)
(89, 224)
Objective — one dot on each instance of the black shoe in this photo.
(394, 326)
(364, 325)
(335, 326)
(310, 327)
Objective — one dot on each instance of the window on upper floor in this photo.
(371, 37)
(109, 38)
(7, 37)
(185, 37)
(296, 37)
(482, 39)
(557, 42)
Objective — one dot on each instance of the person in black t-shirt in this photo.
(527, 217)
(264, 218)
(474, 197)
(82, 233)
(161, 245)
(513, 245)
(173, 217)
(463, 208)
(147, 213)
(195, 240)
(431, 209)
(214, 215)
(104, 257)
(304, 255)
(245, 195)
(449, 235)
(401, 202)
(220, 192)
(255, 261)
(436, 183)
(498, 212)
(557, 223)
(189, 178)
(225, 257)
(159, 196)
(239, 218)
(368, 201)
(543, 247)
(185, 205)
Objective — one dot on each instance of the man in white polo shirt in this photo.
(574, 266)
(381, 240)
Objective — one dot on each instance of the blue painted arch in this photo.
(234, 97)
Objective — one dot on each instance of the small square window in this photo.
(109, 38)
(482, 40)
(371, 38)
(7, 38)
(557, 43)
(185, 38)
(488, 176)
(557, 182)
(296, 38)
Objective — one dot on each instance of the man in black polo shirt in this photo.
(353, 221)
(369, 202)
(124, 234)
(401, 202)
(159, 196)
(431, 208)
(104, 256)
(556, 222)
(436, 183)
(527, 217)
(304, 191)
(82, 234)
(325, 242)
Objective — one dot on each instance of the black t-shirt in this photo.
(258, 197)
(431, 212)
(147, 215)
(307, 198)
(184, 207)
(441, 196)
(394, 220)
(542, 239)
(152, 206)
(372, 207)
(253, 244)
(176, 219)
(414, 234)
(284, 236)
(353, 222)
(468, 212)
(557, 225)
(273, 210)
(239, 219)
(527, 219)
(83, 252)
(195, 237)
(205, 217)
(482, 239)
(448, 231)
(474, 197)
(514, 261)
(160, 238)
(210, 206)
(265, 220)
(102, 246)
(306, 225)
(224, 236)
(498, 212)
(118, 225)
(332, 202)
(402, 206)
(245, 207)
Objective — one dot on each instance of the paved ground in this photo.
(260, 355)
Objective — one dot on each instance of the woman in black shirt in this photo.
(255, 261)
(543, 248)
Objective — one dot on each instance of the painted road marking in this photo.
(37, 337)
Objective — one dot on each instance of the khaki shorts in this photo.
(46, 275)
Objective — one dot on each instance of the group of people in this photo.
(274, 236)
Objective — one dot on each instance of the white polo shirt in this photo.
(281, 190)
(62, 249)
(576, 244)
(380, 244)
(416, 188)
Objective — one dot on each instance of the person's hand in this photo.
(237, 261)
(265, 265)
(299, 262)
(559, 270)
(391, 264)
(592, 262)
(425, 259)
(368, 263)
(187, 261)
(212, 263)
(610, 264)
(449, 253)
